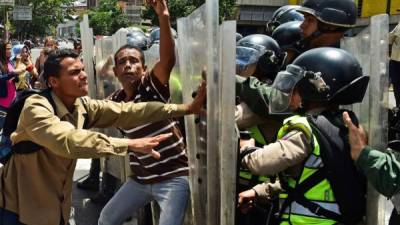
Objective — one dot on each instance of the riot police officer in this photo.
(260, 56)
(288, 36)
(326, 21)
(320, 182)
(283, 15)
(324, 25)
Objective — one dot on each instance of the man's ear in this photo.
(52, 82)
(114, 70)
(144, 68)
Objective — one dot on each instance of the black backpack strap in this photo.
(25, 147)
(47, 94)
(297, 194)
(347, 183)
(85, 115)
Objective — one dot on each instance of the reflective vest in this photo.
(320, 194)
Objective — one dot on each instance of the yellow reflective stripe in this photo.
(321, 192)
(305, 220)
(295, 123)
(262, 178)
(257, 135)
(247, 175)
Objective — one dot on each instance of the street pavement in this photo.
(84, 211)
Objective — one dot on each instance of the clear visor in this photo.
(247, 58)
(282, 89)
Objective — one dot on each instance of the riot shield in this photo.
(107, 83)
(228, 135)
(87, 50)
(119, 39)
(207, 51)
(152, 55)
(370, 47)
(192, 60)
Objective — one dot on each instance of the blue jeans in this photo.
(171, 195)
(8, 218)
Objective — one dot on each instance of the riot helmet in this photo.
(339, 13)
(155, 35)
(138, 40)
(288, 36)
(134, 30)
(282, 15)
(258, 55)
(325, 75)
(238, 37)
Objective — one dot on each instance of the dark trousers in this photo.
(394, 218)
(394, 74)
(8, 218)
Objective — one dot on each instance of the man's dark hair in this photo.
(77, 43)
(52, 65)
(128, 46)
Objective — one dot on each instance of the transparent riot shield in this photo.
(107, 83)
(152, 55)
(370, 47)
(228, 135)
(119, 39)
(87, 50)
(206, 51)
(192, 60)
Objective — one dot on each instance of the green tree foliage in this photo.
(182, 8)
(46, 15)
(107, 18)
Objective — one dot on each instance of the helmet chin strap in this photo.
(305, 43)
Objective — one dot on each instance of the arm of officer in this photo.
(276, 157)
(245, 117)
(254, 93)
(262, 193)
(381, 168)
(162, 69)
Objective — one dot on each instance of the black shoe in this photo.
(101, 198)
(89, 184)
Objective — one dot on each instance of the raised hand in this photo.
(357, 137)
(196, 106)
(159, 6)
(245, 201)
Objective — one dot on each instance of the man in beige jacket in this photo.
(36, 187)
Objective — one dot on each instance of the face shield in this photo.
(282, 89)
(247, 58)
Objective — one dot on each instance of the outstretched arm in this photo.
(162, 69)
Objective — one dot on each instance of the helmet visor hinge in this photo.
(317, 80)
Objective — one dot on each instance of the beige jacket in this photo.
(286, 154)
(38, 186)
